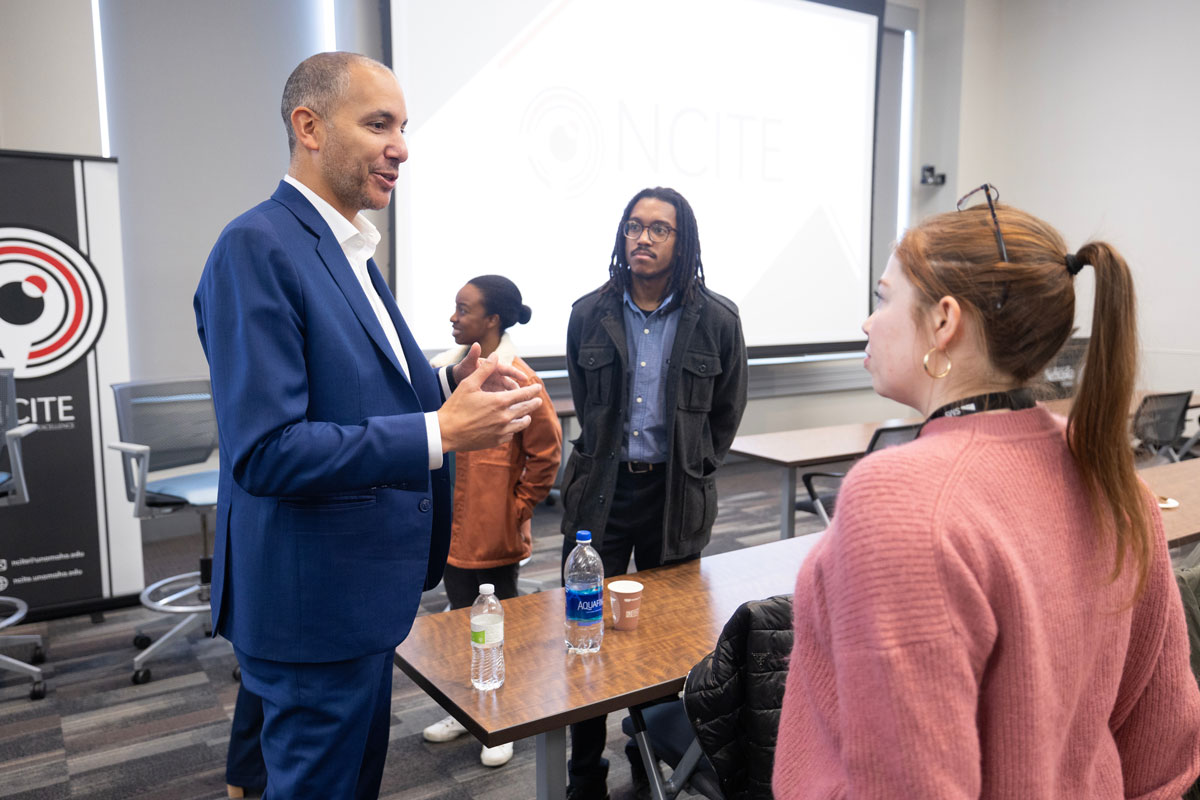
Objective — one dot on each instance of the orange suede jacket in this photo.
(495, 490)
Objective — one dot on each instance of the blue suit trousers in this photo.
(323, 736)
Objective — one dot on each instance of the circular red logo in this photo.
(51, 303)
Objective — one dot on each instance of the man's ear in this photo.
(946, 321)
(308, 127)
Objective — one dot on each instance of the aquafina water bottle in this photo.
(487, 640)
(585, 596)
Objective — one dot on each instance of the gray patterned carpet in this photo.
(96, 735)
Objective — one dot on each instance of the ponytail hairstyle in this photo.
(1025, 308)
(502, 297)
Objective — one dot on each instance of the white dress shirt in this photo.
(358, 240)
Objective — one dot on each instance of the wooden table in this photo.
(1180, 482)
(683, 610)
(807, 447)
(1063, 406)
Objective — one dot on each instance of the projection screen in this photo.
(532, 123)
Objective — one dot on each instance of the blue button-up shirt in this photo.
(649, 338)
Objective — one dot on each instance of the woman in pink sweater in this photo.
(992, 613)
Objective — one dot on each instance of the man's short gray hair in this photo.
(319, 82)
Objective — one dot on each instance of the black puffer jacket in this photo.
(734, 694)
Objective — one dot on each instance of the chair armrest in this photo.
(130, 448)
(814, 495)
(808, 480)
(21, 431)
(135, 457)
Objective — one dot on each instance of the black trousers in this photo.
(634, 531)
(462, 585)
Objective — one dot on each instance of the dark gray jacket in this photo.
(705, 398)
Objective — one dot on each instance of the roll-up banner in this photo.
(62, 328)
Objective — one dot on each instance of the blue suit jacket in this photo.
(329, 521)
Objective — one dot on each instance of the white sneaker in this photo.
(444, 730)
(496, 756)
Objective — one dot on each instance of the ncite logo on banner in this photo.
(62, 333)
(51, 303)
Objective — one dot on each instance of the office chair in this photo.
(663, 734)
(718, 736)
(167, 425)
(14, 491)
(817, 502)
(1060, 376)
(1158, 424)
(1187, 448)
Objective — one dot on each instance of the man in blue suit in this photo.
(333, 512)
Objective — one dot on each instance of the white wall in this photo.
(48, 96)
(1084, 113)
(936, 101)
(193, 103)
(194, 91)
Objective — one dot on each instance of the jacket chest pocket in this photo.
(700, 371)
(599, 366)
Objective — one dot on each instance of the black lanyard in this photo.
(1013, 399)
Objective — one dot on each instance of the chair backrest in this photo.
(174, 418)
(892, 436)
(8, 399)
(1160, 418)
(1059, 377)
(8, 411)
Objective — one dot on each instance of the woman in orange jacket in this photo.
(495, 490)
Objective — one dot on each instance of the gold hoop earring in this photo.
(925, 364)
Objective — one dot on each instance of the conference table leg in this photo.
(552, 765)
(787, 511)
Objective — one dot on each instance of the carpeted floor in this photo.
(96, 735)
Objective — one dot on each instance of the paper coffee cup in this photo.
(625, 598)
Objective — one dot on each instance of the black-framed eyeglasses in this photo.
(659, 231)
(988, 190)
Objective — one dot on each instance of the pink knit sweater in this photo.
(957, 635)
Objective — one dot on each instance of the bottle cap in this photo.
(583, 536)
(487, 588)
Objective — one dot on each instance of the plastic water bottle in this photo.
(487, 640)
(585, 596)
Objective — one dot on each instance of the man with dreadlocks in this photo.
(658, 374)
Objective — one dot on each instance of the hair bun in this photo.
(525, 314)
